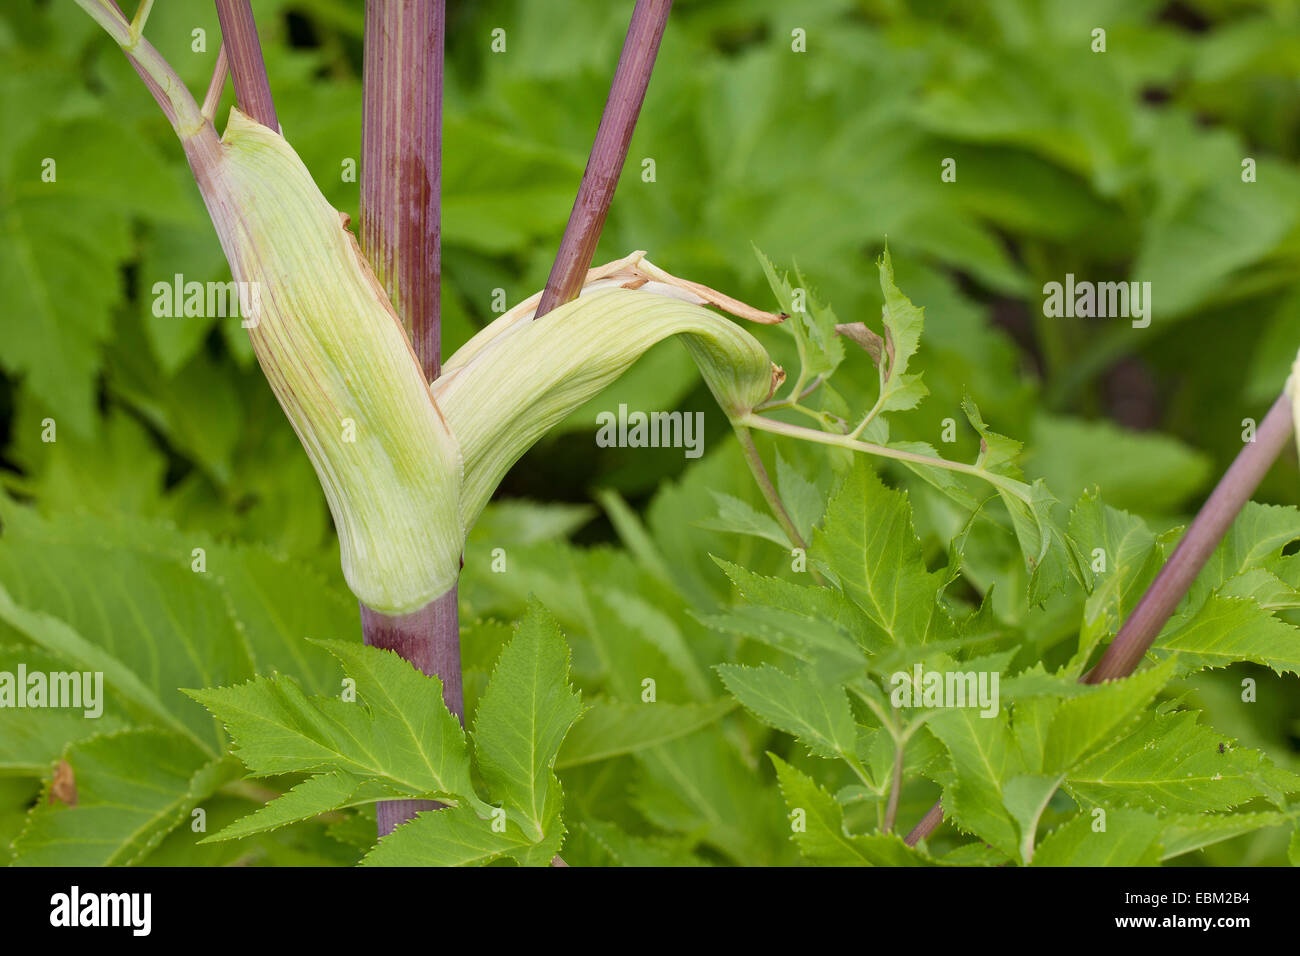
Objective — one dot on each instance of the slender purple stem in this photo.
(401, 164)
(401, 228)
(1175, 578)
(1198, 543)
(247, 68)
(608, 153)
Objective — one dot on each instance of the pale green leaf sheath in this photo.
(340, 365)
(406, 469)
(509, 384)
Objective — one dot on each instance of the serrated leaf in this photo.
(131, 789)
(1172, 764)
(522, 718)
(821, 836)
(815, 712)
(398, 732)
(1092, 719)
(805, 621)
(903, 324)
(1129, 562)
(454, 836)
(611, 728)
(1131, 838)
(1186, 833)
(984, 758)
(737, 517)
(868, 543)
(1226, 630)
(315, 795)
(811, 324)
(700, 785)
(32, 738)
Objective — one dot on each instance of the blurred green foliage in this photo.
(1125, 164)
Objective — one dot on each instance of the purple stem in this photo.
(401, 164)
(401, 227)
(1198, 543)
(430, 639)
(1203, 535)
(247, 68)
(608, 153)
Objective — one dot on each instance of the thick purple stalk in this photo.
(401, 164)
(401, 227)
(247, 68)
(1203, 535)
(608, 153)
(430, 639)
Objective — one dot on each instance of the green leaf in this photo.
(1131, 838)
(398, 732)
(132, 788)
(1226, 630)
(737, 517)
(1256, 538)
(805, 500)
(1125, 551)
(625, 849)
(521, 721)
(868, 543)
(315, 795)
(818, 828)
(807, 622)
(611, 728)
(814, 711)
(1143, 472)
(903, 325)
(984, 759)
(1026, 798)
(455, 836)
(1186, 833)
(61, 243)
(53, 635)
(811, 323)
(1047, 552)
(1089, 720)
(700, 785)
(1172, 764)
(32, 738)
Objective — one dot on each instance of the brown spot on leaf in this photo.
(64, 785)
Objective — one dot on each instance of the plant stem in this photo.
(895, 786)
(247, 69)
(401, 227)
(764, 482)
(1198, 543)
(430, 639)
(220, 71)
(1175, 578)
(608, 153)
(401, 164)
(166, 87)
(883, 451)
